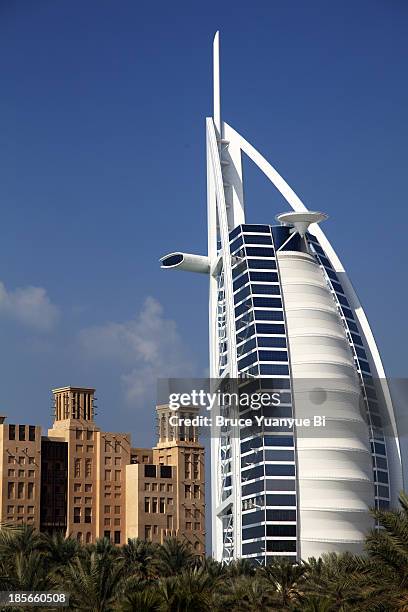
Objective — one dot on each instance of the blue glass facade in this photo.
(268, 470)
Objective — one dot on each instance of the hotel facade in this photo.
(283, 316)
(91, 484)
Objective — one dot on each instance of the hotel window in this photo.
(88, 468)
(145, 459)
(147, 504)
(31, 460)
(88, 501)
(118, 447)
(88, 515)
(165, 471)
(195, 466)
(117, 537)
(88, 488)
(187, 491)
(89, 448)
(117, 475)
(154, 486)
(188, 513)
(162, 505)
(11, 459)
(77, 487)
(21, 432)
(77, 468)
(88, 537)
(12, 432)
(11, 490)
(197, 526)
(162, 487)
(10, 509)
(30, 509)
(108, 475)
(188, 526)
(106, 534)
(77, 515)
(154, 505)
(108, 446)
(12, 472)
(79, 448)
(196, 514)
(187, 465)
(107, 522)
(20, 490)
(31, 433)
(148, 532)
(169, 488)
(117, 460)
(108, 460)
(117, 509)
(78, 434)
(31, 473)
(155, 530)
(89, 435)
(196, 491)
(147, 486)
(116, 522)
(170, 501)
(77, 500)
(150, 471)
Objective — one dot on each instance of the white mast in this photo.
(216, 83)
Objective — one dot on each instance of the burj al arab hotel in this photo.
(284, 315)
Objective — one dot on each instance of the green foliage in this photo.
(145, 577)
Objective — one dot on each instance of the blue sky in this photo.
(102, 170)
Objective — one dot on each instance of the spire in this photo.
(216, 82)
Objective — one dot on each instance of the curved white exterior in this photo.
(322, 336)
(335, 487)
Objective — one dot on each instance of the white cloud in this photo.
(145, 348)
(30, 306)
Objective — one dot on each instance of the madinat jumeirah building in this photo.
(89, 484)
(284, 316)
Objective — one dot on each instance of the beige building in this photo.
(91, 484)
(165, 485)
(20, 465)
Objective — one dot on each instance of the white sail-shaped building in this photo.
(284, 316)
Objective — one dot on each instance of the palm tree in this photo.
(172, 557)
(20, 538)
(286, 580)
(315, 603)
(138, 556)
(244, 594)
(215, 569)
(190, 591)
(240, 567)
(25, 572)
(59, 550)
(343, 579)
(388, 548)
(94, 579)
(145, 600)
